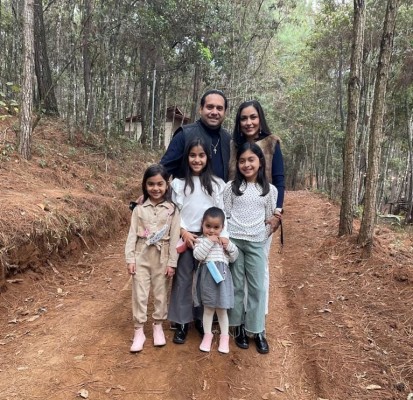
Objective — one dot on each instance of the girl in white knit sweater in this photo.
(249, 201)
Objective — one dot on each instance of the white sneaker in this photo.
(206, 342)
(158, 335)
(138, 341)
(224, 344)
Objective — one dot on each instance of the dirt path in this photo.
(70, 330)
(81, 340)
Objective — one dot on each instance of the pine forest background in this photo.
(98, 62)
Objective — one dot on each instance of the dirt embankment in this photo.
(65, 199)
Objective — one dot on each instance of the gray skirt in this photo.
(211, 294)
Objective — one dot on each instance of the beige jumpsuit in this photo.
(151, 260)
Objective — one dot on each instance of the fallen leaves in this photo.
(14, 280)
(373, 387)
(272, 394)
(33, 318)
(286, 343)
(83, 393)
(320, 335)
(119, 387)
(21, 312)
(44, 207)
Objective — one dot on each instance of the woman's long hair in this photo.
(239, 180)
(206, 176)
(237, 135)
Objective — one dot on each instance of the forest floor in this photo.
(339, 326)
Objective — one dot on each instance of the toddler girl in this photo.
(214, 288)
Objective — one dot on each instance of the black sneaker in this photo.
(241, 338)
(261, 343)
(180, 333)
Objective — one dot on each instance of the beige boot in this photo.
(158, 335)
(138, 341)
(223, 344)
(206, 342)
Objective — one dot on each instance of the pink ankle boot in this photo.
(158, 335)
(138, 341)
(206, 342)
(223, 344)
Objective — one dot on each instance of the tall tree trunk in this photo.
(27, 83)
(70, 118)
(195, 91)
(144, 94)
(157, 113)
(153, 85)
(340, 86)
(376, 132)
(409, 215)
(45, 87)
(354, 87)
(313, 175)
(87, 64)
(133, 102)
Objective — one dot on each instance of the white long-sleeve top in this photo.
(246, 214)
(207, 250)
(193, 205)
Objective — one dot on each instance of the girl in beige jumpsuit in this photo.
(150, 253)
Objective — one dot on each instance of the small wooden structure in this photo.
(401, 207)
(174, 118)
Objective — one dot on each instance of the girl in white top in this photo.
(249, 201)
(193, 195)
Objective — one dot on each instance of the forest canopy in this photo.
(98, 63)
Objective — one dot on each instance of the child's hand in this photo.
(214, 238)
(224, 242)
(274, 221)
(131, 268)
(170, 272)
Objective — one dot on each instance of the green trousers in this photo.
(249, 270)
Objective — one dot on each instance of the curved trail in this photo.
(70, 330)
